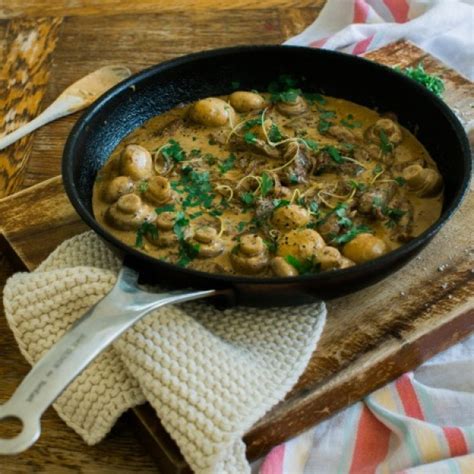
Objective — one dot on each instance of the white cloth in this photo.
(443, 28)
(209, 374)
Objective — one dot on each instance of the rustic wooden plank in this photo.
(29, 46)
(122, 41)
(14, 8)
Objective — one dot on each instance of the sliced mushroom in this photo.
(385, 126)
(250, 256)
(212, 112)
(244, 101)
(290, 217)
(302, 244)
(159, 190)
(209, 244)
(291, 109)
(163, 239)
(118, 187)
(165, 220)
(128, 213)
(136, 162)
(426, 182)
(364, 247)
(282, 268)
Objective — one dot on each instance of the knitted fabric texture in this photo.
(209, 374)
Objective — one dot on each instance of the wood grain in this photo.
(121, 42)
(29, 46)
(108, 7)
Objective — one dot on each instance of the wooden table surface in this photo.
(76, 37)
(180, 27)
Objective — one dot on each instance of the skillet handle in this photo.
(123, 306)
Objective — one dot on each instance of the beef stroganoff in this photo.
(280, 183)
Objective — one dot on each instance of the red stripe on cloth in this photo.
(456, 441)
(361, 10)
(362, 46)
(408, 397)
(371, 444)
(398, 9)
(318, 43)
(273, 463)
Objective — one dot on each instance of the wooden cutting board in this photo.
(370, 338)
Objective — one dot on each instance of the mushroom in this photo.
(364, 247)
(212, 112)
(117, 187)
(165, 237)
(329, 257)
(159, 190)
(250, 255)
(290, 217)
(243, 101)
(426, 182)
(209, 244)
(136, 162)
(302, 244)
(390, 128)
(291, 109)
(128, 213)
(343, 134)
(282, 268)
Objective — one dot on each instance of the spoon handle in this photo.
(77, 348)
(56, 110)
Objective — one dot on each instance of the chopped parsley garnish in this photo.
(173, 151)
(401, 181)
(165, 208)
(252, 123)
(327, 114)
(350, 234)
(350, 122)
(324, 126)
(394, 214)
(143, 186)
(195, 152)
(241, 226)
(314, 208)
(432, 82)
(267, 184)
(247, 198)
(215, 213)
(333, 152)
(145, 229)
(358, 186)
(348, 146)
(303, 267)
(274, 134)
(197, 186)
(377, 169)
(315, 97)
(187, 253)
(341, 212)
(250, 137)
(309, 143)
(272, 245)
(385, 144)
(196, 214)
(284, 89)
(210, 159)
(277, 203)
(227, 164)
(294, 179)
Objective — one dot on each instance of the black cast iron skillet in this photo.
(186, 79)
(211, 73)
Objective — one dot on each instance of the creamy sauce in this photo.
(242, 180)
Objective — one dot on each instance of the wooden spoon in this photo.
(76, 97)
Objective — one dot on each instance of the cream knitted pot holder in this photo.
(209, 374)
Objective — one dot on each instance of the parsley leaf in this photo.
(305, 266)
(377, 169)
(247, 198)
(166, 208)
(267, 184)
(250, 137)
(432, 82)
(272, 245)
(385, 144)
(145, 229)
(401, 181)
(358, 186)
(333, 152)
(324, 126)
(227, 164)
(327, 114)
(187, 252)
(241, 226)
(315, 97)
(350, 234)
(143, 186)
(277, 203)
(349, 122)
(309, 143)
(274, 133)
(173, 151)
